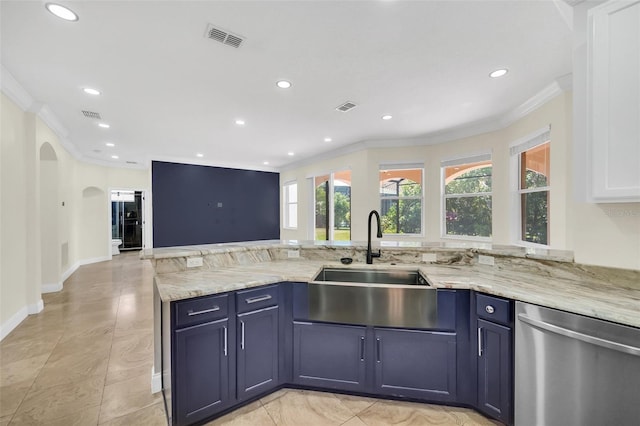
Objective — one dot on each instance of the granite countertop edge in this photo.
(580, 294)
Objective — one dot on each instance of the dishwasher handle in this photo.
(620, 347)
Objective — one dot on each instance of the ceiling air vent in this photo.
(91, 114)
(346, 106)
(132, 162)
(223, 36)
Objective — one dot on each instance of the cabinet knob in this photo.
(490, 309)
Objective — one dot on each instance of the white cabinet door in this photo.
(614, 101)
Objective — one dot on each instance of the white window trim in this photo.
(330, 206)
(457, 161)
(405, 166)
(286, 203)
(517, 147)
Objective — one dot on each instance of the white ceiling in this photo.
(169, 93)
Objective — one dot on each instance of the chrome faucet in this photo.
(370, 253)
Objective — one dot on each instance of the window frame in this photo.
(533, 140)
(286, 219)
(400, 167)
(459, 161)
(330, 204)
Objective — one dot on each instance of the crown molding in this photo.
(491, 124)
(14, 90)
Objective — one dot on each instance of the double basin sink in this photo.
(375, 297)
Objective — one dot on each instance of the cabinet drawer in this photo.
(202, 309)
(493, 309)
(256, 298)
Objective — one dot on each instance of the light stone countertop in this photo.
(605, 293)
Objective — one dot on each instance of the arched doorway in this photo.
(49, 220)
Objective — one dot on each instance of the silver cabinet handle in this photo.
(378, 349)
(206, 311)
(225, 341)
(242, 335)
(258, 299)
(490, 309)
(620, 347)
(361, 348)
(479, 341)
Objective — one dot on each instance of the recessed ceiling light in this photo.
(290, 154)
(499, 73)
(283, 84)
(91, 91)
(61, 12)
(110, 144)
(104, 125)
(266, 163)
(240, 122)
(199, 155)
(387, 117)
(328, 139)
(115, 157)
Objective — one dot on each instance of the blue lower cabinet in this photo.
(257, 352)
(415, 364)
(495, 371)
(329, 356)
(201, 363)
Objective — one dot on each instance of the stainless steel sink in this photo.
(372, 276)
(390, 298)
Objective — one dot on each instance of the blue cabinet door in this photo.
(258, 352)
(201, 375)
(329, 356)
(495, 367)
(415, 364)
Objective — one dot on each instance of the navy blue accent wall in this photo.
(201, 204)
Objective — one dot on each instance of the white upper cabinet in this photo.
(613, 79)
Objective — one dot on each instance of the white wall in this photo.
(598, 234)
(13, 222)
(54, 212)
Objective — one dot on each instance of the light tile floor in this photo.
(86, 360)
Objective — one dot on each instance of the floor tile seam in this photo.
(104, 383)
(35, 379)
(122, 416)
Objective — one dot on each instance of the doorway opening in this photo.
(127, 220)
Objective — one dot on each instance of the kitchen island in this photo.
(544, 277)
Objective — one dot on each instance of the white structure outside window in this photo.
(290, 208)
(401, 198)
(467, 197)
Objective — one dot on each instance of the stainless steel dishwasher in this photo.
(575, 370)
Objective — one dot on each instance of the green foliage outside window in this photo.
(535, 207)
(401, 214)
(469, 215)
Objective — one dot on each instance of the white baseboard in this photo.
(51, 287)
(82, 262)
(13, 322)
(35, 308)
(94, 260)
(156, 381)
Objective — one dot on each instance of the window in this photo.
(467, 197)
(332, 201)
(290, 205)
(533, 165)
(401, 199)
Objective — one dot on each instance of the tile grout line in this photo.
(104, 384)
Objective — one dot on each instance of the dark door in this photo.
(329, 356)
(495, 379)
(201, 371)
(258, 353)
(416, 364)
